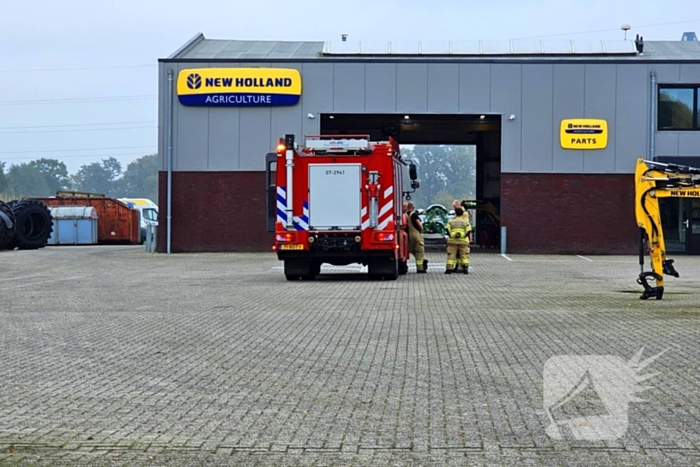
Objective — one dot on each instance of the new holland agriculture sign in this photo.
(584, 134)
(239, 87)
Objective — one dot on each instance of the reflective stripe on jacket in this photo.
(457, 229)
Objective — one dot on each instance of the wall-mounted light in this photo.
(512, 117)
(482, 117)
(310, 115)
(406, 117)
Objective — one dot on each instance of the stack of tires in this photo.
(25, 224)
(7, 225)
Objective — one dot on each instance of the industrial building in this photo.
(558, 126)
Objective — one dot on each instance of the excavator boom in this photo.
(654, 180)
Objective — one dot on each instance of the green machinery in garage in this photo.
(487, 228)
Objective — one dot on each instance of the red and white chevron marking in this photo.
(364, 217)
(386, 210)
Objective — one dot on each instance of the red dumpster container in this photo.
(117, 223)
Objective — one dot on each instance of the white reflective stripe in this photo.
(301, 222)
(386, 208)
(388, 191)
(281, 205)
(384, 223)
(365, 224)
(364, 211)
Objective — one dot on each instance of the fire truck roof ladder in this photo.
(337, 143)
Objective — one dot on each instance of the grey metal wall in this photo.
(677, 143)
(540, 95)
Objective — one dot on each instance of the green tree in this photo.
(54, 172)
(26, 179)
(99, 178)
(4, 186)
(140, 179)
(446, 173)
(445, 198)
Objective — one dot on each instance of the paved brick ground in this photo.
(111, 356)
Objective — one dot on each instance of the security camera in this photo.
(512, 117)
(311, 116)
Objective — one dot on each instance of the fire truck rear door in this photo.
(335, 196)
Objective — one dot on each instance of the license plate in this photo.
(292, 247)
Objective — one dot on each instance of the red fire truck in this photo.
(338, 200)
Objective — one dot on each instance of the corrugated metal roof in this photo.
(216, 49)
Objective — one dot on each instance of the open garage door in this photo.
(478, 133)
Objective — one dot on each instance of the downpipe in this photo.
(652, 132)
(170, 159)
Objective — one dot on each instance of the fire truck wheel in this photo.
(298, 277)
(384, 269)
(403, 268)
(299, 269)
(394, 271)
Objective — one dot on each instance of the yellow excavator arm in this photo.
(654, 180)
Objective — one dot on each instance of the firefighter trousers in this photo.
(461, 256)
(416, 247)
(454, 249)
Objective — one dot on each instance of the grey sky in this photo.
(43, 42)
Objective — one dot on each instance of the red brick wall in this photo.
(544, 213)
(569, 213)
(214, 211)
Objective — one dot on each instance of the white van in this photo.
(148, 212)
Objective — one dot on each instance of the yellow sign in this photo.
(584, 134)
(239, 87)
(292, 247)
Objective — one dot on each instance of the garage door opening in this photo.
(447, 173)
(458, 157)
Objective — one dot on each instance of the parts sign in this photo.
(584, 134)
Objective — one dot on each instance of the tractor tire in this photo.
(7, 225)
(34, 225)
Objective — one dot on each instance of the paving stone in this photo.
(112, 356)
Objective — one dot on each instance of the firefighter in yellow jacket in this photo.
(459, 231)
